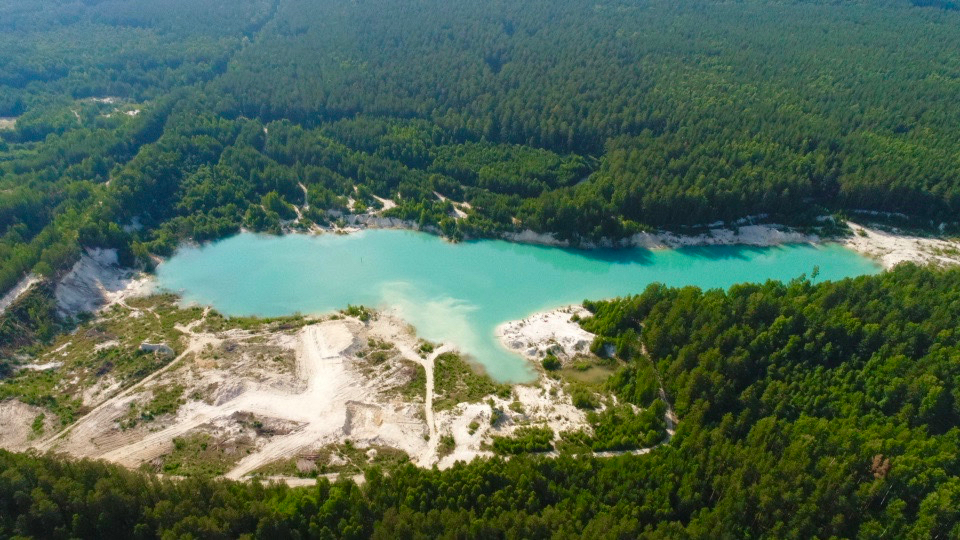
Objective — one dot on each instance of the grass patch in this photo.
(360, 312)
(590, 371)
(456, 381)
(583, 397)
(447, 445)
(201, 454)
(344, 459)
(165, 400)
(216, 322)
(36, 428)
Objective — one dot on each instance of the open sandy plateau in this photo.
(298, 397)
(275, 396)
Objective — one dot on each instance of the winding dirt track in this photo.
(92, 424)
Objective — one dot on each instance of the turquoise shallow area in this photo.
(459, 293)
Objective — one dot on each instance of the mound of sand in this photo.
(16, 424)
(548, 332)
(97, 280)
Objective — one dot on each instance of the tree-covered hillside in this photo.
(806, 411)
(588, 120)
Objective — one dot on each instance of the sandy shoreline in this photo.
(890, 249)
(886, 248)
(96, 280)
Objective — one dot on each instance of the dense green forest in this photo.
(587, 120)
(806, 411)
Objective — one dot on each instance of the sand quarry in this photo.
(312, 398)
(284, 399)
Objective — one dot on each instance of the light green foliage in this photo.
(525, 440)
(457, 381)
(163, 400)
(36, 427)
(203, 455)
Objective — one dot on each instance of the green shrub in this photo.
(551, 363)
(525, 440)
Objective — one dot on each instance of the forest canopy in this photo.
(582, 119)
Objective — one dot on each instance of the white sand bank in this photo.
(891, 249)
(97, 280)
(747, 235)
(16, 424)
(548, 332)
(17, 291)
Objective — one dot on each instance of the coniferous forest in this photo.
(807, 410)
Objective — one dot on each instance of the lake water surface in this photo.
(459, 293)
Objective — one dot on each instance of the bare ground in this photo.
(325, 383)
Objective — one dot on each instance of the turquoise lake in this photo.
(460, 293)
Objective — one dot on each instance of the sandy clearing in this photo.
(429, 455)
(551, 331)
(332, 403)
(394, 333)
(97, 280)
(387, 204)
(891, 249)
(16, 424)
(328, 393)
(7, 123)
(322, 407)
(101, 418)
